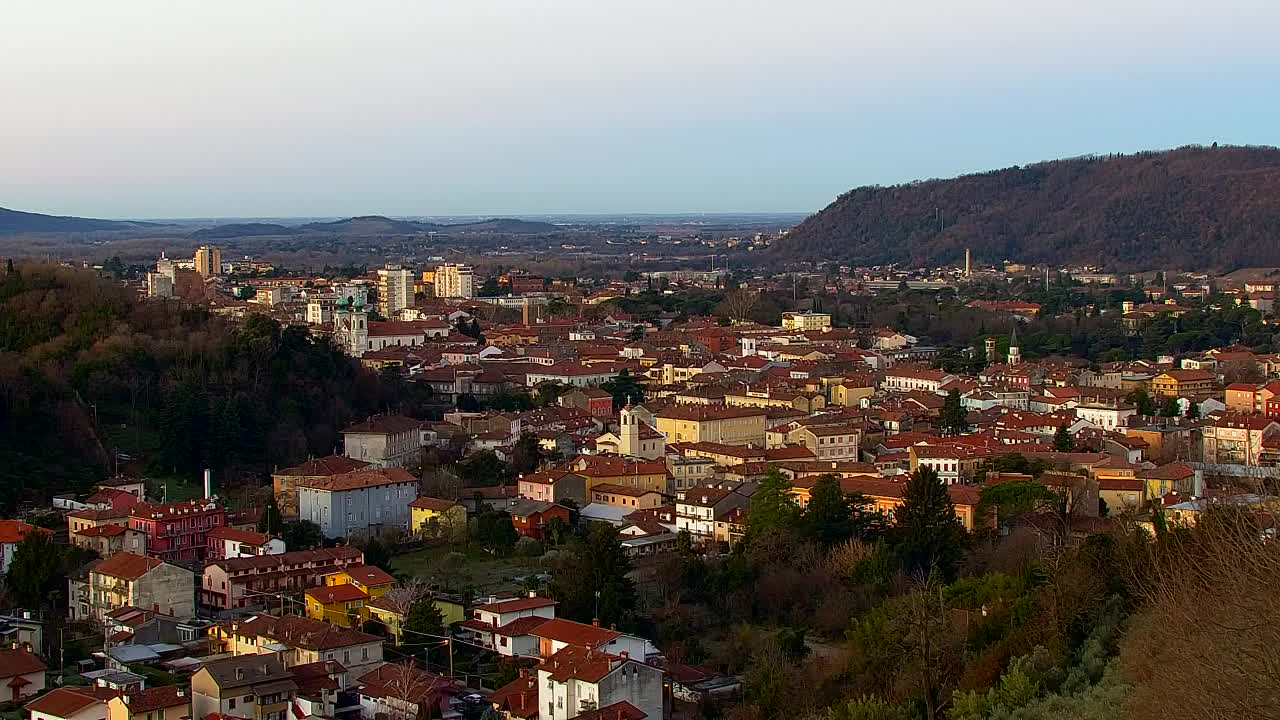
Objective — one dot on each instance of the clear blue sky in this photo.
(155, 108)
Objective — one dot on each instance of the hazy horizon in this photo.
(292, 109)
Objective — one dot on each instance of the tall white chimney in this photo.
(208, 484)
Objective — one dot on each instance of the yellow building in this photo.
(700, 423)
(374, 581)
(391, 609)
(340, 605)
(208, 260)
(1181, 383)
(772, 397)
(885, 495)
(167, 702)
(649, 475)
(433, 517)
(806, 321)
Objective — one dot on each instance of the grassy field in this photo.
(461, 569)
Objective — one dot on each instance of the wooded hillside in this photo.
(1191, 208)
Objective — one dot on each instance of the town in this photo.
(647, 494)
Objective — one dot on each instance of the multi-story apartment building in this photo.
(253, 581)
(177, 531)
(704, 423)
(803, 321)
(698, 508)
(125, 579)
(208, 260)
(253, 687)
(360, 502)
(299, 641)
(229, 542)
(581, 680)
(1237, 439)
(384, 441)
(395, 290)
(455, 281)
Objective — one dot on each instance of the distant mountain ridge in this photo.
(1190, 208)
(13, 222)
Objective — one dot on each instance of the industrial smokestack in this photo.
(208, 484)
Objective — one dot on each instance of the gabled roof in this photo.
(575, 633)
(165, 696)
(517, 605)
(369, 575)
(64, 701)
(19, 662)
(359, 479)
(385, 425)
(318, 467)
(336, 594)
(126, 566)
(434, 504)
(13, 531)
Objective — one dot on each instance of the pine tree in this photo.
(1062, 440)
(272, 521)
(423, 621)
(591, 582)
(773, 507)
(930, 536)
(827, 519)
(954, 418)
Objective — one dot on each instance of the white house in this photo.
(577, 680)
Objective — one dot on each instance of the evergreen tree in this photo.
(625, 388)
(377, 554)
(1172, 408)
(954, 418)
(591, 581)
(930, 536)
(1062, 440)
(1143, 402)
(828, 518)
(423, 625)
(302, 535)
(495, 531)
(773, 507)
(526, 454)
(34, 573)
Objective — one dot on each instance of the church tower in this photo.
(351, 325)
(1015, 352)
(628, 432)
(992, 354)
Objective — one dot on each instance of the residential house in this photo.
(298, 641)
(506, 626)
(1236, 439)
(125, 579)
(374, 581)
(530, 517)
(698, 508)
(953, 463)
(579, 682)
(391, 608)
(594, 401)
(167, 702)
(247, 582)
(908, 379)
(340, 605)
(285, 482)
(402, 691)
(365, 501)
(72, 703)
(628, 497)
(228, 542)
(21, 675)
(554, 485)
(387, 441)
(1178, 478)
(12, 533)
(834, 442)
(435, 518)
(614, 470)
(177, 531)
(254, 687)
(1183, 383)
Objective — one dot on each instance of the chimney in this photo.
(208, 483)
(533, 593)
(239, 673)
(613, 627)
(125, 699)
(182, 693)
(595, 622)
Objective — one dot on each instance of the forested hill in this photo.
(86, 368)
(1191, 208)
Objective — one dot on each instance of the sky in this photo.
(287, 108)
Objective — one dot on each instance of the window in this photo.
(247, 700)
(231, 704)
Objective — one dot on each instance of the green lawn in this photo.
(460, 569)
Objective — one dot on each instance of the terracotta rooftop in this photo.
(330, 465)
(126, 566)
(337, 594)
(575, 633)
(385, 425)
(359, 479)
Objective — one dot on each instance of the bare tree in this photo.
(737, 304)
(929, 644)
(1206, 646)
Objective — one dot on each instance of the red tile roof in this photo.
(65, 701)
(164, 696)
(369, 575)
(248, 537)
(385, 425)
(13, 531)
(337, 593)
(430, 503)
(19, 662)
(575, 633)
(331, 465)
(359, 479)
(126, 566)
